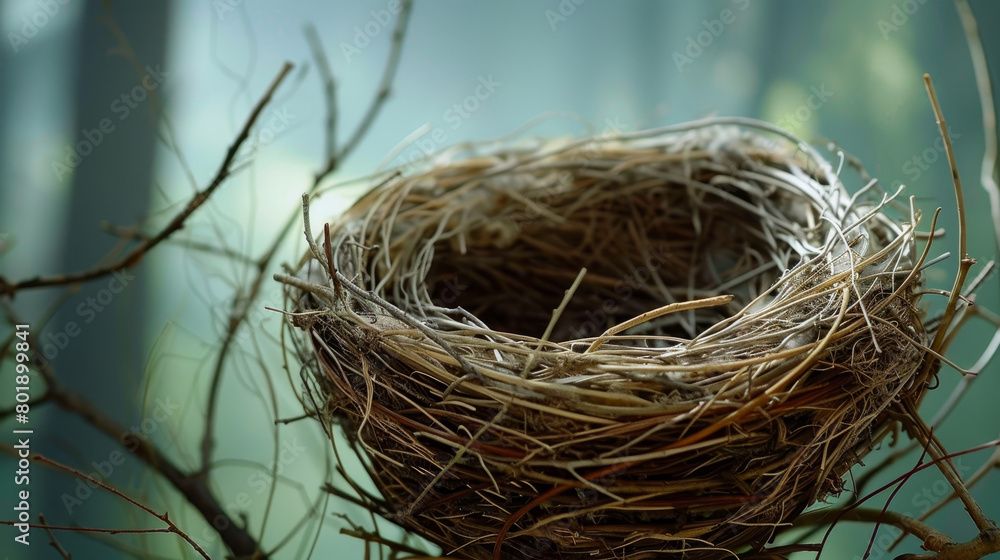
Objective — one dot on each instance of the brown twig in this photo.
(329, 91)
(932, 539)
(378, 539)
(923, 434)
(916, 424)
(136, 254)
(241, 305)
(991, 463)
(133, 234)
(164, 517)
(53, 541)
(108, 531)
(385, 86)
(965, 262)
(822, 516)
(981, 546)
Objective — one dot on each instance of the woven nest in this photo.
(613, 348)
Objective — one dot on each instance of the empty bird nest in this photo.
(655, 345)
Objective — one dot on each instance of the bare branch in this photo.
(140, 251)
(164, 517)
(53, 541)
(385, 87)
(988, 172)
(330, 92)
(132, 234)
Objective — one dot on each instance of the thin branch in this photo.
(981, 546)
(132, 234)
(988, 171)
(108, 531)
(991, 463)
(378, 539)
(931, 537)
(922, 434)
(330, 93)
(385, 87)
(936, 544)
(140, 251)
(53, 541)
(965, 262)
(840, 513)
(164, 517)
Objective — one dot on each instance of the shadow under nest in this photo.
(665, 345)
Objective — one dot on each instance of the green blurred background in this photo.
(846, 71)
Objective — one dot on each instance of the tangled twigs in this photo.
(914, 423)
(195, 490)
(137, 253)
(943, 546)
(242, 303)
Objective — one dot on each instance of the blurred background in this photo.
(112, 114)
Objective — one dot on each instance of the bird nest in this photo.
(661, 345)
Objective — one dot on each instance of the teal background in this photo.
(590, 65)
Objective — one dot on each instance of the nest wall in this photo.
(663, 345)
